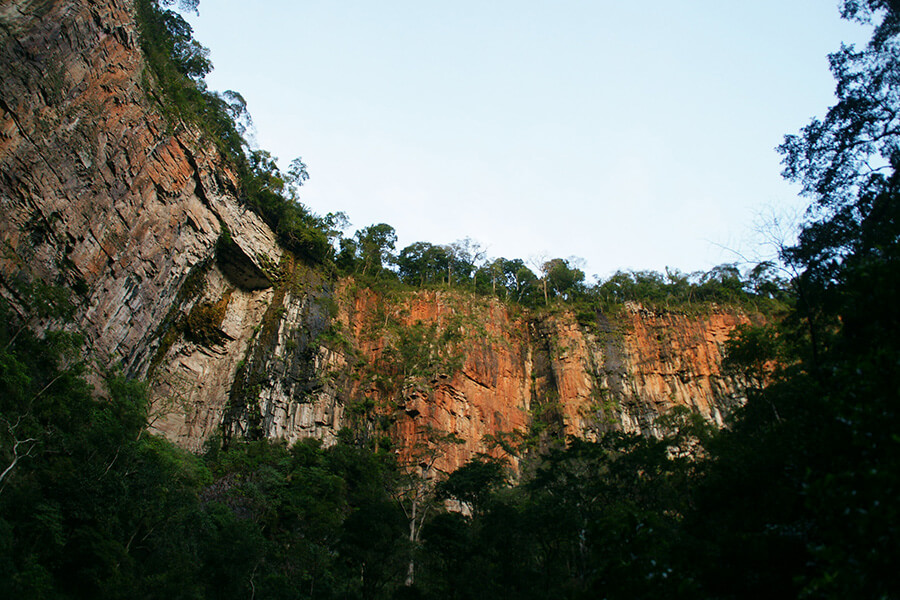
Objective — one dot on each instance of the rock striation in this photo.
(97, 190)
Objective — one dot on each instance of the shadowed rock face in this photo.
(100, 193)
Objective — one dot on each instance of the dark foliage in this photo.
(91, 506)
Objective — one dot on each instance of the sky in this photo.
(629, 135)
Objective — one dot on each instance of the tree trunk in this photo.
(413, 534)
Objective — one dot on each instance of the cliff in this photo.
(405, 367)
(98, 192)
(176, 281)
(483, 370)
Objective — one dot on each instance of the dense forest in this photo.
(796, 497)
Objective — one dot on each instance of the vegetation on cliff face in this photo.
(796, 499)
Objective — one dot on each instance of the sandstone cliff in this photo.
(482, 369)
(176, 281)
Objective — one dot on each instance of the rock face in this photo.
(455, 363)
(103, 195)
(96, 190)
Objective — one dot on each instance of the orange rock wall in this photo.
(515, 365)
(676, 359)
(489, 394)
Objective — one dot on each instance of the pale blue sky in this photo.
(632, 135)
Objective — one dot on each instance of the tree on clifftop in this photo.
(562, 276)
(376, 245)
